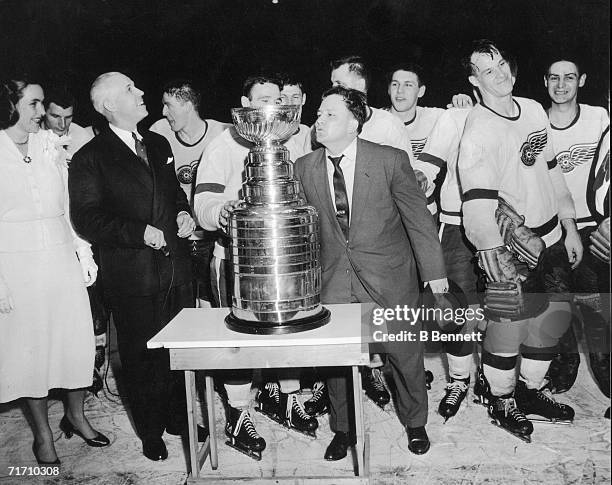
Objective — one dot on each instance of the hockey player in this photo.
(188, 135)
(515, 203)
(441, 151)
(219, 182)
(575, 131)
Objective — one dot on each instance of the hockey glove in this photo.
(521, 240)
(600, 241)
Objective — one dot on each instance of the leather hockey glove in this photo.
(503, 291)
(600, 241)
(521, 240)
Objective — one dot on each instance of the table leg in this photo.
(192, 422)
(359, 426)
(210, 407)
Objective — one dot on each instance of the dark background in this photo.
(220, 42)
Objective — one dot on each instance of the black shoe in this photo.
(418, 441)
(154, 449)
(183, 431)
(374, 387)
(456, 390)
(295, 416)
(97, 441)
(43, 462)
(338, 446)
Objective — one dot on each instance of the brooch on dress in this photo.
(27, 159)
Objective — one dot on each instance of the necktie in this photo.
(341, 197)
(141, 150)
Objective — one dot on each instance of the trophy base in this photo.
(266, 328)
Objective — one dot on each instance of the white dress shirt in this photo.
(347, 164)
(126, 137)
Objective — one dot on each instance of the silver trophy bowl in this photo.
(274, 235)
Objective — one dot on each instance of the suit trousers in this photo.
(408, 371)
(156, 394)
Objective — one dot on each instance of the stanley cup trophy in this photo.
(274, 235)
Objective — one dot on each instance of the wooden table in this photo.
(198, 339)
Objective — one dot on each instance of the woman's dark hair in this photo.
(11, 91)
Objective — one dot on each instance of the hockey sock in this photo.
(534, 369)
(459, 366)
(238, 395)
(499, 372)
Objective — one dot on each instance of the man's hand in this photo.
(421, 179)
(154, 237)
(573, 244)
(226, 212)
(460, 101)
(186, 225)
(6, 300)
(438, 286)
(90, 270)
(600, 241)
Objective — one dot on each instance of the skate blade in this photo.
(565, 422)
(523, 437)
(275, 419)
(255, 455)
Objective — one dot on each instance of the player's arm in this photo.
(211, 187)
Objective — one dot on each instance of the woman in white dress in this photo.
(46, 332)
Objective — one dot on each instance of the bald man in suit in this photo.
(375, 232)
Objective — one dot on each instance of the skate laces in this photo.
(511, 409)
(245, 420)
(297, 407)
(377, 380)
(317, 392)
(546, 395)
(273, 391)
(454, 390)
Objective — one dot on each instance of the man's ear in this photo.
(473, 81)
(108, 105)
(245, 102)
(581, 80)
(422, 91)
(546, 81)
(303, 99)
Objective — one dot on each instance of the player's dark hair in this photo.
(61, 96)
(356, 102)
(485, 46)
(251, 81)
(563, 57)
(408, 67)
(184, 90)
(357, 65)
(289, 79)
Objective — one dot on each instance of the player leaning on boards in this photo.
(506, 162)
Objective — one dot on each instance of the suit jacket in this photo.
(113, 196)
(390, 226)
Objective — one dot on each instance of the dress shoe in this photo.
(183, 431)
(418, 441)
(43, 462)
(154, 449)
(97, 441)
(338, 446)
(372, 382)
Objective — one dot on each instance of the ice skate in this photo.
(507, 416)
(318, 404)
(295, 418)
(540, 402)
(482, 390)
(428, 379)
(242, 434)
(456, 390)
(374, 386)
(286, 410)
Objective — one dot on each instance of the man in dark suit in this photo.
(124, 196)
(373, 218)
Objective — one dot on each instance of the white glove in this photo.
(89, 269)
